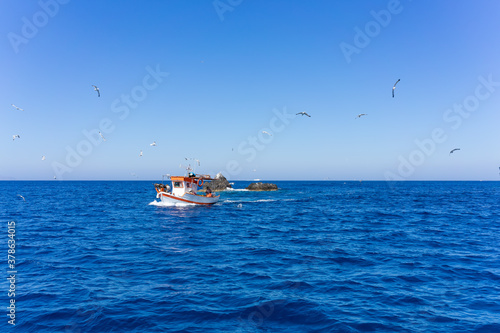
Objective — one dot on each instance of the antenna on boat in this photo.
(190, 168)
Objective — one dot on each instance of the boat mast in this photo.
(188, 167)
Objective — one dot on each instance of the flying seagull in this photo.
(303, 114)
(394, 87)
(451, 152)
(103, 139)
(43, 158)
(264, 132)
(97, 89)
(22, 197)
(15, 136)
(361, 114)
(17, 107)
(140, 154)
(153, 144)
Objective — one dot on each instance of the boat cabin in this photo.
(182, 185)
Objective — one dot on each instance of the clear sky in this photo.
(204, 79)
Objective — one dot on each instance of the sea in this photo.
(313, 256)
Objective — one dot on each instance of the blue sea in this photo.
(102, 256)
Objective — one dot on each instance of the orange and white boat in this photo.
(185, 190)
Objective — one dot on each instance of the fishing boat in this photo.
(185, 190)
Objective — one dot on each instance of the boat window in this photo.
(177, 184)
(188, 184)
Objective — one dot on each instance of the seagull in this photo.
(22, 197)
(264, 132)
(55, 177)
(103, 139)
(303, 114)
(361, 114)
(394, 87)
(451, 152)
(17, 107)
(97, 89)
(140, 154)
(198, 162)
(153, 144)
(15, 136)
(43, 158)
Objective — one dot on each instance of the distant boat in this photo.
(184, 190)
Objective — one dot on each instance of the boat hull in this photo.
(187, 198)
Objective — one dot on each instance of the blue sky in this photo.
(204, 79)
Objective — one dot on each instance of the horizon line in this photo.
(258, 181)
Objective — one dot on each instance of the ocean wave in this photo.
(258, 200)
(248, 201)
(318, 261)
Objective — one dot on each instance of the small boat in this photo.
(185, 190)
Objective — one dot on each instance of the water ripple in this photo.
(349, 257)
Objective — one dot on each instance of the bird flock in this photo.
(154, 144)
(364, 114)
(96, 89)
